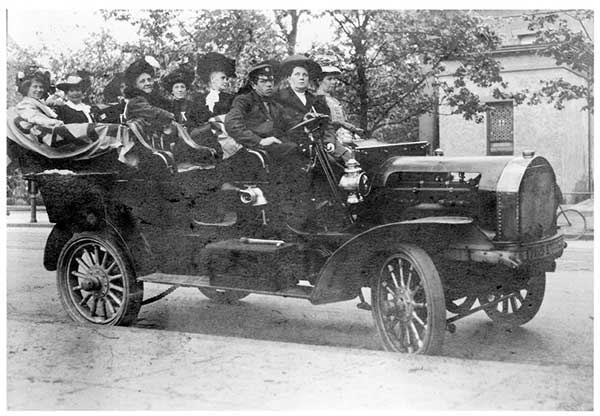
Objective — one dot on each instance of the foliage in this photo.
(565, 38)
(393, 60)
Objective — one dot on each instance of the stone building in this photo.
(564, 137)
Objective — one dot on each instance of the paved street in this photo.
(186, 352)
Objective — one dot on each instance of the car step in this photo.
(298, 291)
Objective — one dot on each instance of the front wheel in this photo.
(408, 302)
(96, 281)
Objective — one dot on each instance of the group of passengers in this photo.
(258, 116)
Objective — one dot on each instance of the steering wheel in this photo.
(311, 121)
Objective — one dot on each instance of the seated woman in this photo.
(73, 110)
(141, 102)
(345, 132)
(32, 107)
(189, 113)
(37, 118)
(143, 111)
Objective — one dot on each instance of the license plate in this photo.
(550, 249)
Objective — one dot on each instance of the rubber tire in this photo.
(434, 295)
(133, 293)
(224, 296)
(529, 308)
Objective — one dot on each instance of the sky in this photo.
(64, 30)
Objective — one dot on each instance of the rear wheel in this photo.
(96, 281)
(223, 296)
(408, 302)
(520, 308)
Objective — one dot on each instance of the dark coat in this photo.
(69, 115)
(221, 107)
(248, 121)
(110, 113)
(140, 107)
(294, 111)
(187, 113)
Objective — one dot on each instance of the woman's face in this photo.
(145, 83)
(75, 94)
(179, 90)
(218, 80)
(328, 83)
(299, 79)
(36, 90)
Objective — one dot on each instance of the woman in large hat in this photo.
(328, 81)
(178, 84)
(215, 70)
(32, 109)
(297, 100)
(142, 103)
(73, 109)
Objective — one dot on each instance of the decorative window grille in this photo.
(500, 131)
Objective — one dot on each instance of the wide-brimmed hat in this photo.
(330, 70)
(139, 67)
(182, 75)
(215, 62)
(31, 73)
(71, 81)
(289, 63)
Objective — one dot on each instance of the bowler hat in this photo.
(291, 62)
(215, 62)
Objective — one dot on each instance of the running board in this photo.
(298, 291)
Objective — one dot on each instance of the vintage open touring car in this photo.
(434, 238)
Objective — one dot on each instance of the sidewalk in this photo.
(20, 216)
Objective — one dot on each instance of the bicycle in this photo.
(571, 222)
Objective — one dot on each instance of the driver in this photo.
(257, 122)
(297, 100)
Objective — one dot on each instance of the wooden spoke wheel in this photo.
(408, 302)
(520, 308)
(96, 281)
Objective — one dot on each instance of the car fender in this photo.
(351, 266)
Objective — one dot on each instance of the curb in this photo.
(29, 224)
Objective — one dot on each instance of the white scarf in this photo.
(211, 99)
(84, 108)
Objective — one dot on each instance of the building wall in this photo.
(559, 135)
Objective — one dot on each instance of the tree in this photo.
(248, 36)
(289, 33)
(393, 60)
(565, 38)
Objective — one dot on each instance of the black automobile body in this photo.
(434, 238)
